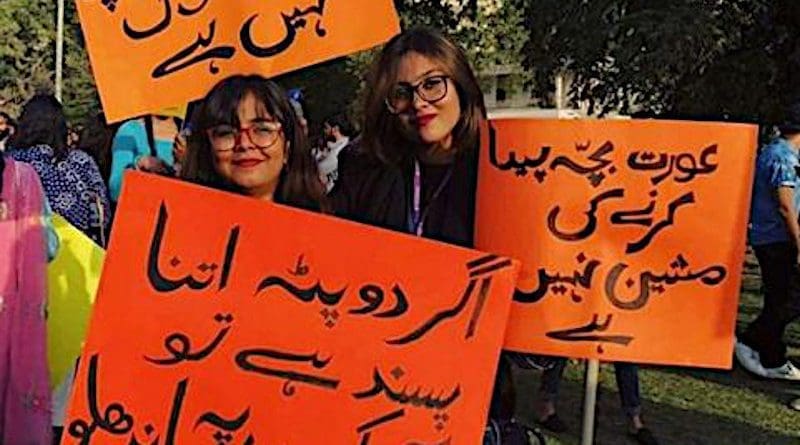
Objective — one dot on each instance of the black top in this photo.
(371, 192)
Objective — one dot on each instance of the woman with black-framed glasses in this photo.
(415, 168)
(246, 138)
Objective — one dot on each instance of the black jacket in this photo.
(371, 192)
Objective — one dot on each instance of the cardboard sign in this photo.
(151, 54)
(223, 316)
(73, 277)
(631, 234)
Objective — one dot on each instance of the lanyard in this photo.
(418, 215)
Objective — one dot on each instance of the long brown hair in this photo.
(383, 136)
(299, 182)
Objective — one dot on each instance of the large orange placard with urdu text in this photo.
(150, 54)
(223, 319)
(631, 234)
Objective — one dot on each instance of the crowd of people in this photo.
(413, 169)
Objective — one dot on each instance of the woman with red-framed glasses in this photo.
(246, 138)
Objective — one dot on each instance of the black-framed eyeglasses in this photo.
(431, 89)
(227, 137)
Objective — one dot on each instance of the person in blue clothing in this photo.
(775, 236)
(72, 182)
(143, 144)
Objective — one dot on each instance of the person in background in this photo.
(296, 99)
(143, 144)
(774, 234)
(13, 127)
(96, 139)
(71, 180)
(627, 375)
(25, 399)
(248, 140)
(179, 147)
(73, 137)
(337, 130)
(319, 148)
(415, 169)
(7, 128)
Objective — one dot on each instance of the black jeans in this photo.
(781, 278)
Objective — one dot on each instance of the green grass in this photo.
(685, 406)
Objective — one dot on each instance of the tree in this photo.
(81, 98)
(696, 58)
(27, 56)
(757, 78)
(491, 31)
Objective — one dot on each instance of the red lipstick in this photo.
(247, 163)
(425, 119)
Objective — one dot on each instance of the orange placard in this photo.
(264, 324)
(152, 54)
(631, 234)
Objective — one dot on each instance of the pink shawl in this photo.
(24, 383)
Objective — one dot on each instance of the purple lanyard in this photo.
(418, 215)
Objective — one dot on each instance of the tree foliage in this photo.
(490, 30)
(27, 56)
(27, 52)
(701, 58)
